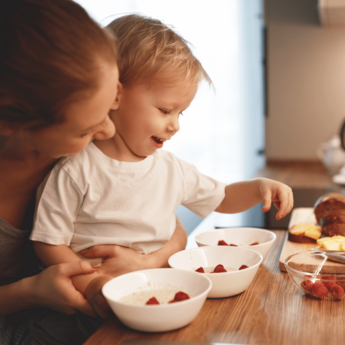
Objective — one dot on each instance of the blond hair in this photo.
(149, 50)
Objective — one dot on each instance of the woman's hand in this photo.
(53, 288)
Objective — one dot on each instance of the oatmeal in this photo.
(163, 296)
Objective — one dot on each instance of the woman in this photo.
(58, 81)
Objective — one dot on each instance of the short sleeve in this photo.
(58, 202)
(202, 194)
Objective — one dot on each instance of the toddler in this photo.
(124, 190)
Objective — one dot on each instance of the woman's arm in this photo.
(52, 288)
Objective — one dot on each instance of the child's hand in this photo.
(118, 260)
(93, 294)
(278, 193)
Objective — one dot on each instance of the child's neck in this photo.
(117, 149)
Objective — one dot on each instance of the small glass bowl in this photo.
(316, 275)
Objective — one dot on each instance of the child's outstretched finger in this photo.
(287, 209)
(284, 206)
(267, 201)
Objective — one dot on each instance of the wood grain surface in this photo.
(271, 311)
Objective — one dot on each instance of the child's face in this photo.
(148, 116)
(84, 121)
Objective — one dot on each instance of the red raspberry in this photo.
(200, 270)
(340, 283)
(181, 296)
(319, 290)
(337, 291)
(306, 285)
(222, 243)
(152, 300)
(243, 267)
(219, 269)
(328, 284)
(255, 244)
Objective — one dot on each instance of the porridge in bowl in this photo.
(155, 296)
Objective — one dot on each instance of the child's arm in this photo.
(120, 260)
(241, 196)
(57, 254)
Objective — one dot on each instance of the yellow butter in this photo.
(314, 233)
(331, 245)
(323, 240)
(298, 229)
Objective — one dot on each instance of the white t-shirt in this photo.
(92, 199)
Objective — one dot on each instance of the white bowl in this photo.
(243, 237)
(223, 284)
(157, 318)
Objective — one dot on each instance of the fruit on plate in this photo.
(332, 243)
(304, 233)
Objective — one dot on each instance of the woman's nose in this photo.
(106, 131)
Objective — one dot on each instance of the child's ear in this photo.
(117, 100)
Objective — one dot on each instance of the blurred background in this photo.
(278, 103)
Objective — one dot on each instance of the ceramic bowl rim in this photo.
(245, 248)
(171, 305)
(257, 245)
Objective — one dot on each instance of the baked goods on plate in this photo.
(304, 233)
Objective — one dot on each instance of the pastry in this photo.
(304, 233)
(328, 204)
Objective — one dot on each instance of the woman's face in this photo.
(84, 121)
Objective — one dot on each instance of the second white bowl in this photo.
(242, 237)
(223, 284)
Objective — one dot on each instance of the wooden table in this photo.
(271, 311)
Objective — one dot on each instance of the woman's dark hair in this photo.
(51, 54)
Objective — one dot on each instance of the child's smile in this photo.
(148, 116)
(158, 142)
